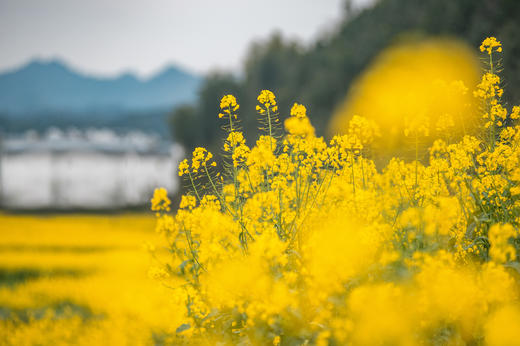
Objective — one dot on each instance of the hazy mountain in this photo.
(51, 86)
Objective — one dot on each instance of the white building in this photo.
(92, 169)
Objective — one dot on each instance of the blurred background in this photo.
(100, 100)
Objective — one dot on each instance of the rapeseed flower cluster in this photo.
(298, 123)
(229, 106)
(489, 44)
(304, 241)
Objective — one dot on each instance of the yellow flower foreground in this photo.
(301, 241)
(81, 280)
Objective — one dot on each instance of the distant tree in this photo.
(319, 76)
(198, 125)
(183, 126)
(274, 65)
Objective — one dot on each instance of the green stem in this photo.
(193, 185)
(270, 126)
(188, 240)
(219, 196)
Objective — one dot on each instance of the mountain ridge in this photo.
(52, 85)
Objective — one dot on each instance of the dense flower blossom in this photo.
(160, 200)
(489, 43)
(228, 106)
(267, 102)
(304, 241)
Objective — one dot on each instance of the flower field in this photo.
(402, 229)
(296, 240)
(80, 280)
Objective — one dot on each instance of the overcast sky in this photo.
(107, 37)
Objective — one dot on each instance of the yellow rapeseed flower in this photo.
(489, 43)
(267, 101)
(183, 167)
(229, 106)
(160, 200)
(298, 111)
(200, 157)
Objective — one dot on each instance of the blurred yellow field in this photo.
(304, 173)
(81, 280)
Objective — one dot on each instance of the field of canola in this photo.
(297, 240)
(81, 280)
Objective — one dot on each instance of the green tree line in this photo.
(319, 75)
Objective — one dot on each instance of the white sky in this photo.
(107, 37)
